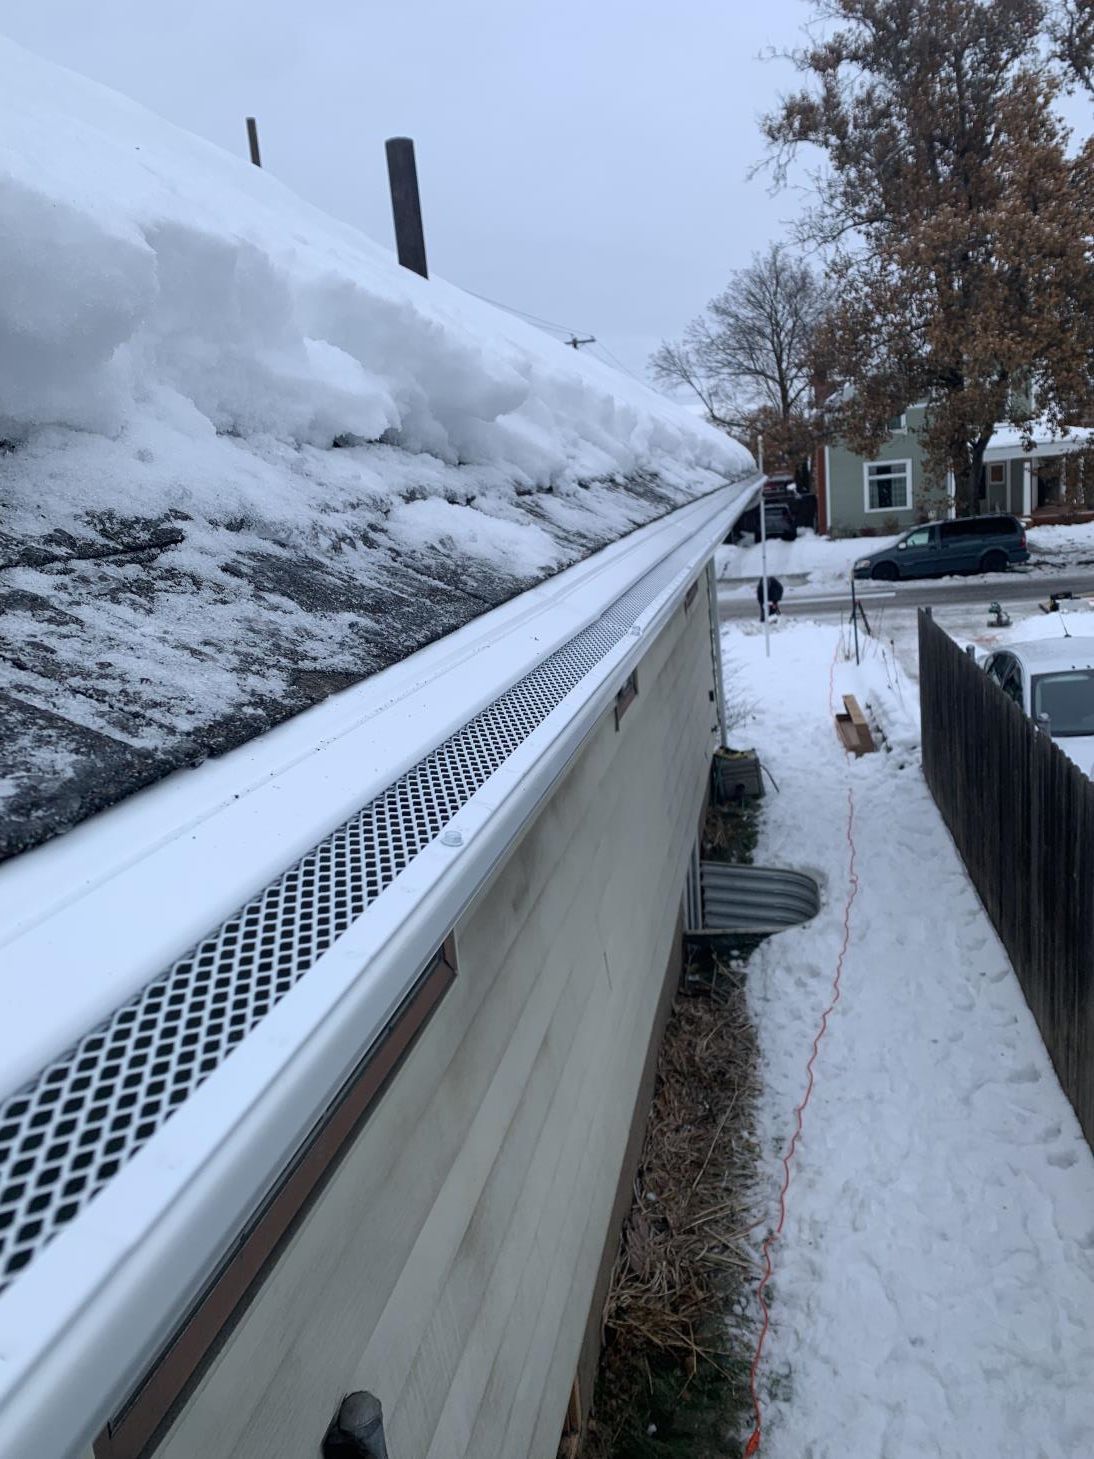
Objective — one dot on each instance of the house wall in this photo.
(847, 483)
(997, 494)
(1007, 495)
(1016, 487)
(449, 1264)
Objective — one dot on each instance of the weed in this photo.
(673, 1376)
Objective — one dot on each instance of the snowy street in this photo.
(1016, 589)
(819, 565)
(933, 1288)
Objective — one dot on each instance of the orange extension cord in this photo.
(754, 1439)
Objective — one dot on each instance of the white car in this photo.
(1052, 679)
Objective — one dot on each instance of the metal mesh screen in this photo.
(64, 1135)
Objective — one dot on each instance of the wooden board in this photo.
(853, 729)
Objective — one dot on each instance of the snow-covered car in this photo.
(1052, 680)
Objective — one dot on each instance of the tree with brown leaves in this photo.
(960, 221)
(747, 356)
(1071, 26)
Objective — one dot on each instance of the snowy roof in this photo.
(247, 460)
(1008, 441)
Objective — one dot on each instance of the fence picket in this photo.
(1021, 815)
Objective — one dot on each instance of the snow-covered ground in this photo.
(822, 564)
(825, 565)
(934, 1284)
(1063, 546)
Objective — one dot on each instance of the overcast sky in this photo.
(582, 160)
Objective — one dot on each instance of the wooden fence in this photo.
(1022, 817)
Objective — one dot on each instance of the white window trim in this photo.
(902, 428)
(885, 511)
(1001, 467)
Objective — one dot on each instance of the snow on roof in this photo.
(1008, 441)
(246, 460)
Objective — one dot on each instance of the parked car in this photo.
(969, 544)
(1052, 681)
(778, 522)
(802, 505)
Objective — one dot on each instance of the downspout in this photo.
(822, 491)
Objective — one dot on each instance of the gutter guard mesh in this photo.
(67, 1133)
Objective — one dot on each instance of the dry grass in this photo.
(687, 1250)
(729, 833)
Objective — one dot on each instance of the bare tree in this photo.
(960, 220)
(747, 356)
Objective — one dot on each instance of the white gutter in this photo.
(81, 1324)
(230, 826)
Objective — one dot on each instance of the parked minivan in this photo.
(968, 544)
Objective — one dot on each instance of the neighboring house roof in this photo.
(185, 557)
(1008, 442)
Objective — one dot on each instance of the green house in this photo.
(891, 490)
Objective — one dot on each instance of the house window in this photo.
(997, 474)
(898, 423)
(888, 486)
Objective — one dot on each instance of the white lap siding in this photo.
(449, 1264)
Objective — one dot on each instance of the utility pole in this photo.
(574, 342)
(406, 205)
(252, 141)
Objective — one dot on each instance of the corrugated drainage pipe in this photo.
(758, 900)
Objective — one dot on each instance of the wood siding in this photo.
(449, 1265)
(1022, 818)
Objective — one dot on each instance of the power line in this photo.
(523, 314)
(573, 337)
(619, 365)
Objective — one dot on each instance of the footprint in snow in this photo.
(1062, 1159)
(1024, 1074)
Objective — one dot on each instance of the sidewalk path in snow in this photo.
(934, 1285)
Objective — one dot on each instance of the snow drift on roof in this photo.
(245, 459)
